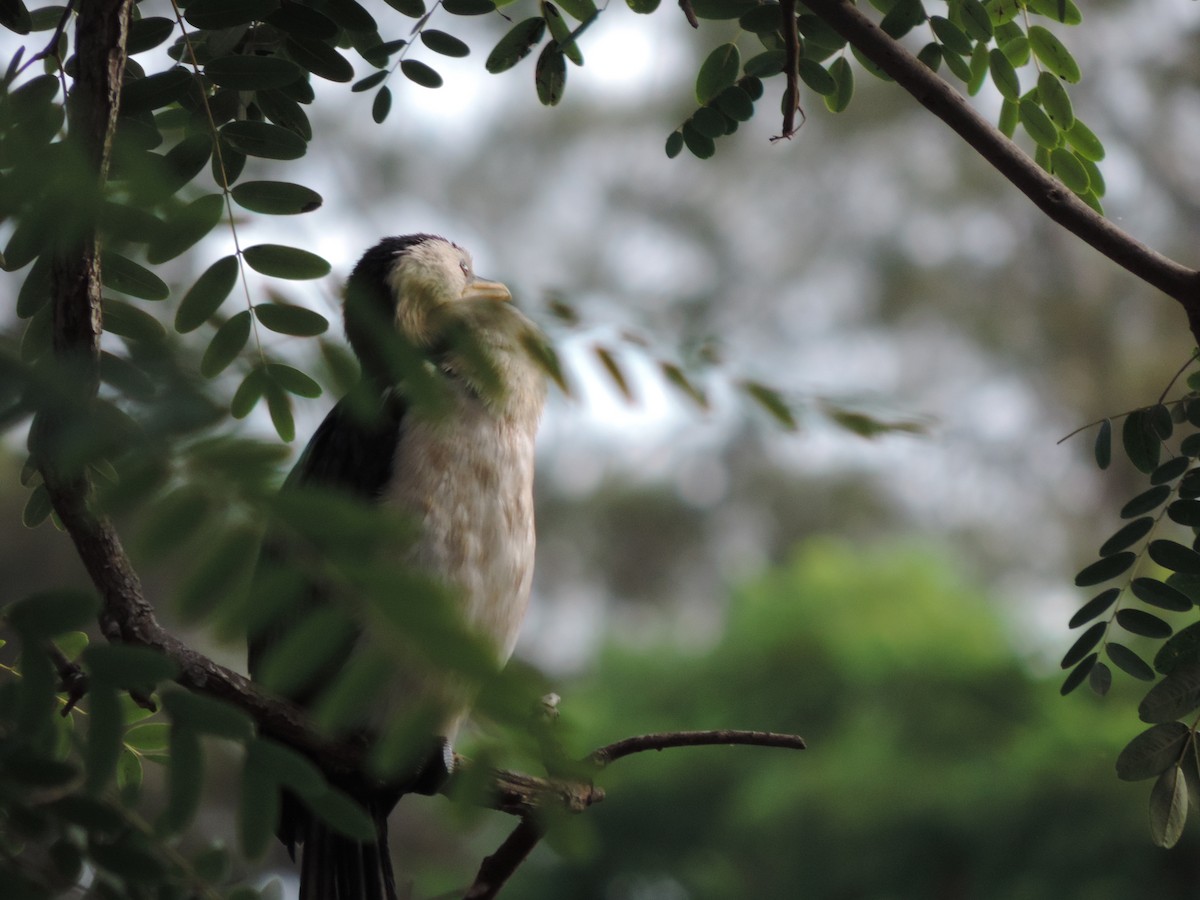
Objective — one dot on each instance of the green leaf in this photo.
(953, 37)
(121, 274)
(15, 17)
(186, 227)
(1170, 470)
(1128, 535)
(1085, 142)
(129, 776)
(771, 401)
(550, 75)
(316, 56)
(258, 806)
(561, 32)
(37, 507)
(843, 74)
(249, 392)
(1175, 556)
(287, 767)
(1182, 649)
(215, 14)
(314, 641)
(902, 18)
(1185, 512)
(155, 91)
(127, 666)
(414, 9)
(252, 73)
(1009, 116)
(1168, 807)
(52, 612)
(1070, 170)
(735, 103)
(1052, 54)
(104, 735)
(285, 262)
(1100, 679)
(718, 71)
(1142, 444)
(1078, 674)
(205, 297)
(1164, 596)
(381, 105)
(372, 80)
(1037, 125)
(976, 20)
(1176, 695)
(1084, 644)
(1054, 100)
(581, 10)
(224, 569)
(283, 318)
(1129, 662)
(1105, 568)
(1153, 751)
(1103, 446)
(1146, 501)
(468, 7)
(342, 814)
(72, 644)
(420, 73)
(516, 44)
(127, 321)
(1016, 50)
(207, 715)
(708, 121)
(443, 43)
(226, 344)
(674, 144)
(284, 112)
(262, 139)
(1094, 607)
(303, 21)
(149, 737)
(1004, 76)
(816, 77)
(185, 777)
(1064, 11)
(293, 380)
(1140, 622)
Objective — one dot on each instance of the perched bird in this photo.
(460, 469)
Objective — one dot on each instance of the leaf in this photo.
(1128, 661)
(205, 297)
(735, 103)
(1094, 607)
(953, 37)
(1052, 54)
(299, 20)
(342, 814)
(516, 44)
(1146, 501)
(1104, 569)
(718, 71)
(121, 274)
(207, 715)
(1175, 556)
(1004, 76)
(816, 77)
(285, 262)
(414, 9)
(766, 64)
(262, 139)
(1037, 125)
(322, 60)
(186, 227)
(149, 737)
(1154, 592)
(1142, 444)
(240, 72)
(226, 344)
(223, 570)
(443, 43)
(104, 735)
(72, 644)
(15, 17)
(1085, 142)
(1078, 674)
(420, 73)
(127, 666)
(293, 380)
(372, 80)
(284, 318)
(312, 642)
(1185, 512)
(1140, 622)
(37, 507)
(185, 777)
(1170, 470)
(1128, 535)
(287, 767)
(52, 612)
(550, 75)
(1182, 649)
(1176, 695)
(1100, 679)
(155, 91)
(843, 74)
(381, 105)
(128, 321)
(1168, 807)
(468, 7)
(215, 14)
(1054, 100)
(976, 20)
(771, 400)
(1084, 644)
(1153, 751)
(561, 32)
(258, 806)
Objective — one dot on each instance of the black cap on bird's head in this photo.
(408, 286)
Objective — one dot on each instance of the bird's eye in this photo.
(466, 270)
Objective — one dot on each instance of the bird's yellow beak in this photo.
(486, 290)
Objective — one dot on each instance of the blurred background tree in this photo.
(876, 273)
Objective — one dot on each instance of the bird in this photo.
(459, 464)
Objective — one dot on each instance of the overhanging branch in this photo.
(1050, 195)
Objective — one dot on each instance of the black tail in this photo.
(335, 867)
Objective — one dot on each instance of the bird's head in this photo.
(424, 289)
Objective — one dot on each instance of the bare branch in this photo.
(664, 740)
(1050, 195)
(791, 93)
(496, 869)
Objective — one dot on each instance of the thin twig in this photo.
(665, 740)
(71, 678)
(496, 869)
(1050, 195)
(791, 44)
(51, 49)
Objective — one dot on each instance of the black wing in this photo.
(352, 449)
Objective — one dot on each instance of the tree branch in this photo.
(665, 740)
(1050, 195)
(496, 869)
